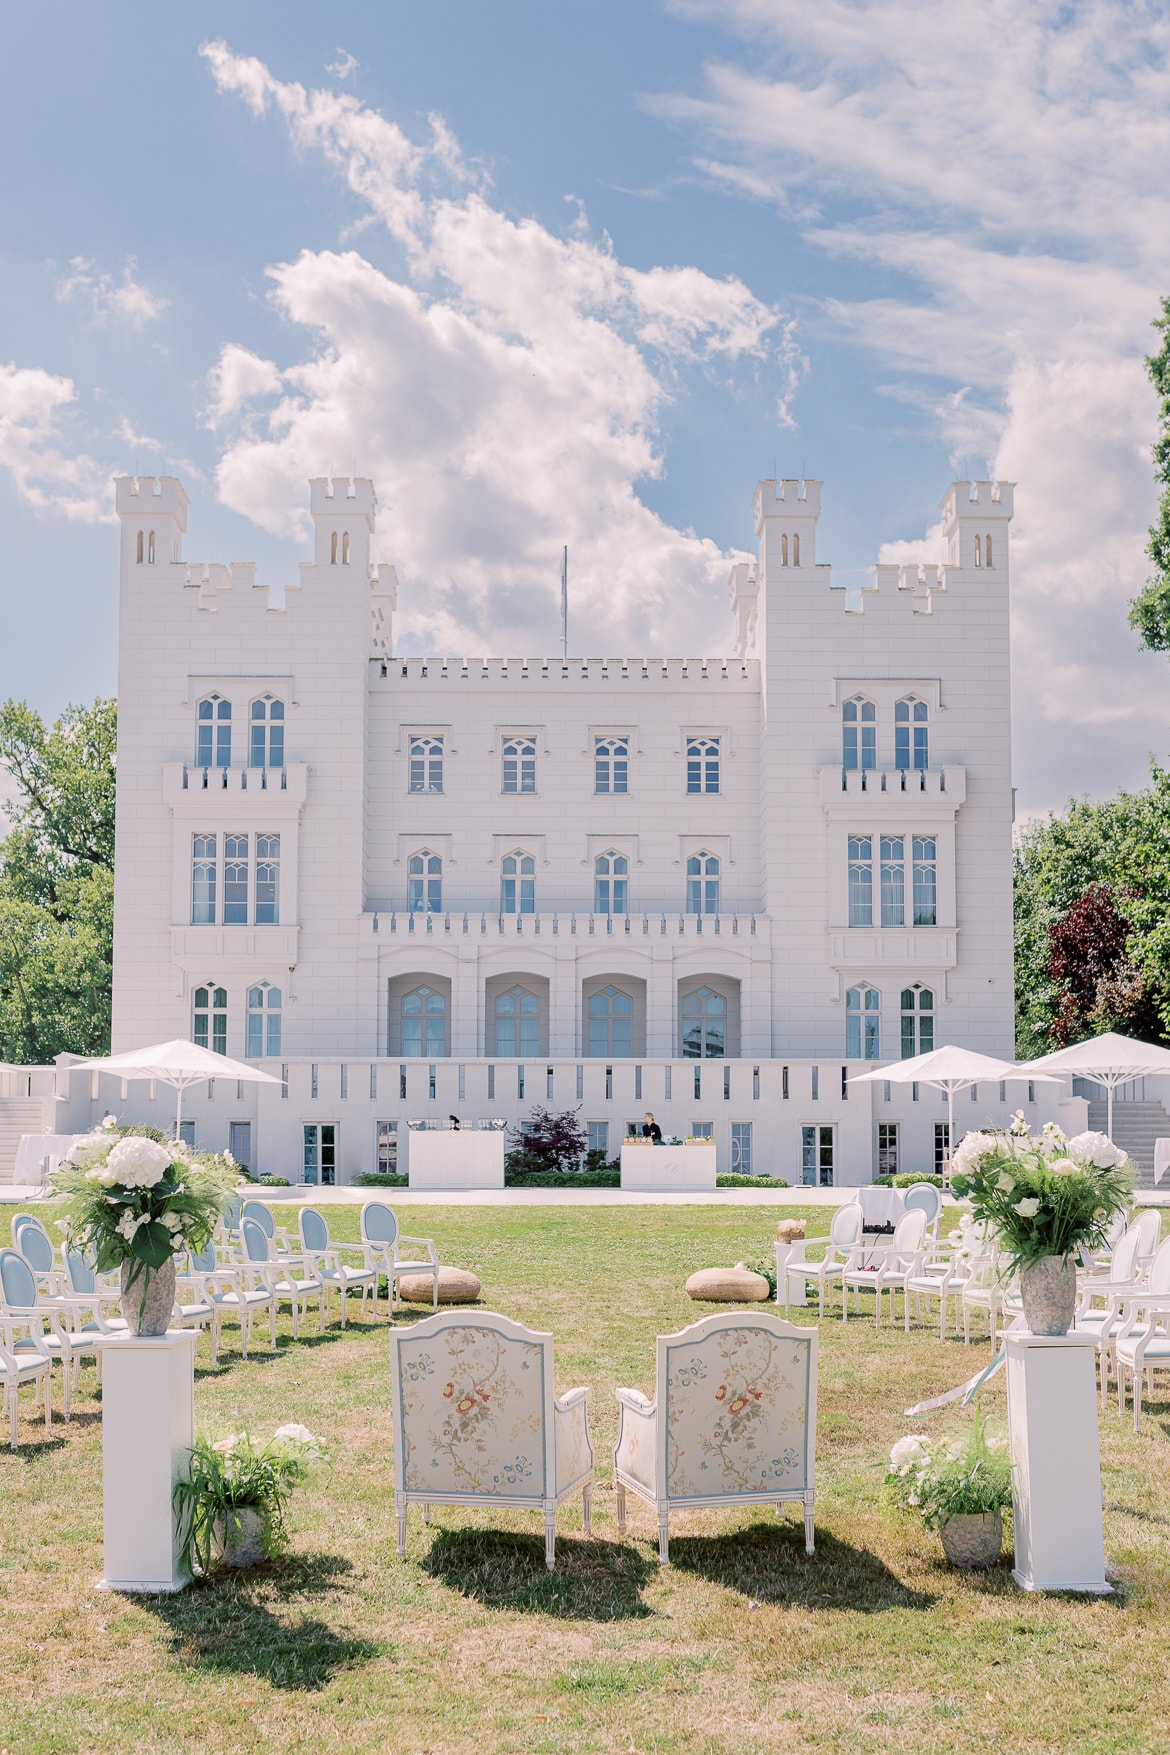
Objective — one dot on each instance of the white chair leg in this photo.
(1137, 1398)
(12, 1415)
(809, 1538)
(619, 1495)
(401, 1521)
(550, 1539)
(587, 1510)
(664, 1538)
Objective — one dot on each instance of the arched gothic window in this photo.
(333, 549)
(858, 734)
(917, 1021)
(702, 884)
(987, 550)
(611, 883)
(911, 735)
(267, 728)
(264, 1014)
(795, 550)
(862, 1024)
(213, 735)
(611, 1024)
(150, 549)
(704, 1025)
(345, 548)
(978, 553)
(425, 877)
(424, 1023)
(141, 540)
(518, 883)
(702, 764)
(518, 1024)
(209, 1019)
(426, 764)
(784, 549)
(611, 764)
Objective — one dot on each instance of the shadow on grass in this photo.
(593, 1581)
(225, 1624)
(767, 1563)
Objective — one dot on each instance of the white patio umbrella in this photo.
(1108, 1060)
(177, 1063)
(948, 1069)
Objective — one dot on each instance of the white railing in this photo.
(482, 924)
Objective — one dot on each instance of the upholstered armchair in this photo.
(477, 1421)
(733, 1422)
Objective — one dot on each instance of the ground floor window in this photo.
(598, 1132)
(387, 1164)
(816, 1156)
(240, 1143)
(702, 1130)
(887, 1148)
(187, 1134)
(320, 1160)
(942, 1145)
(741, 1148)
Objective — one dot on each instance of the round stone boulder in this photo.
(790, 1231)
(737, 1285)
(456, 1286)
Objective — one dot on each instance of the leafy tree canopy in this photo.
(1149, 612)
(57, 882)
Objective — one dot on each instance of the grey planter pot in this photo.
(973, 1541)
(1048, 1288)
(148, 1303)
(239, 1537)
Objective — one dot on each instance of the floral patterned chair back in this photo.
(472, 1399)
(739, 1395)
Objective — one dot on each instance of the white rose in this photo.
(1028, 1208)
(1064, 1167)
(1096, 1149)
(172, 1221)
(89, 1149)
(139, 1163)
(1005, 1183)
(908, 1450)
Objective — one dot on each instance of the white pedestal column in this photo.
(1056, 1478)
(790, 1291)
(148, 1428)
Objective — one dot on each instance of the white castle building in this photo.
(709, 887)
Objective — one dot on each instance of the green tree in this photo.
(57, 882)
(1149, 612)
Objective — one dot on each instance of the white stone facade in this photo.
(281, 866)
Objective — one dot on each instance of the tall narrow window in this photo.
(887, 1148)
(987, 550)
(387, 1137)
(942, 1146)
(862, 1024)
(209, 1019)
(741, 1148)
(517, 884)
(858, 735)
(704, 1025)
(333, 549)
(426, 764)
(925, 880)
(150, 549)
(917, 1021)
(424, 1023)
(203, 874)
(816, 1156)
(345, 548)
(861, 880)
(597, 1133)
(611, 764)
(893, 879)
(267, 727)
(264, 1014)
(702, 884)
(795, 550)
(213, 736)
(911, 735)
(140, 539)
(425, 883)
(702, 764)
(784, 549)
(611, 1023)
(518, 1024)
(611, 883)
(519, 765)
(978, 553)
(267, 880)
(235, 880)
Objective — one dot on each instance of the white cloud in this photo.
(106, 296)
(1007, 163)
(32, 402)
(345, 66)
(504, 396)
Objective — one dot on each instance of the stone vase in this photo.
(1048, 1288)
(239, 1536)
(147, 1304)
(972, 1540)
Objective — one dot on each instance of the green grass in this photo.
(468, 1645)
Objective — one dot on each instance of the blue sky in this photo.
(585, 275)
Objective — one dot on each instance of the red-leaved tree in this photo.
(1099, 986)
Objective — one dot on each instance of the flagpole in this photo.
(565, 602)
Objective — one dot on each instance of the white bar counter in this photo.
(647, 1167)
(455, 1158)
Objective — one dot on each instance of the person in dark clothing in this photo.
(651, 1129)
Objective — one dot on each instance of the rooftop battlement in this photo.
(787, 499)
(977, 499)
(343, 497)
(151, 496)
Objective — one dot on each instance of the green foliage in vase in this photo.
(57, 883)
(235, 1474)
(1043, 1196)
(943, 1478)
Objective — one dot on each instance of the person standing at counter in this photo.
(650, 1129)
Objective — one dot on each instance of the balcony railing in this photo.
(480, 924)
(897, 787)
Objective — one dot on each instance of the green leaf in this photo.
(153, 1244)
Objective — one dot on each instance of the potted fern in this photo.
(231, 1505)
(959, 1488)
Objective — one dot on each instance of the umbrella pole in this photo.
(950, 1123)
(178, 1108)
(1109, 1111)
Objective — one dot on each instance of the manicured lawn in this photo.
(742, 1645)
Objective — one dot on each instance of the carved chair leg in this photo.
(664, 1538)
(809, 1542)
(587, 1509)
(426, 1515)
(550, 1539)
(401, 1520)
(619, 1495)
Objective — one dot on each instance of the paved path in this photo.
(524, 1197)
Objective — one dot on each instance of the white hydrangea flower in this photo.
(91, 1148)
(1005, 1182)
(908, 1451)
(139, 1163)
(300, 1435)
(1065, 1167)
(1027, 1208)
(1096, 1149)
(970, 1149)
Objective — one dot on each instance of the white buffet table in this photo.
(446, 1158)
(646, 1167)
(35, 1151)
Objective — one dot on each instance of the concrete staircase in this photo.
(18, 1115)
(1135, 1128)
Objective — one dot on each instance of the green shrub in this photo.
(140, 1130)
(607, 1176)
(372, 1179)
(273, 1181)
(731, 1180)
